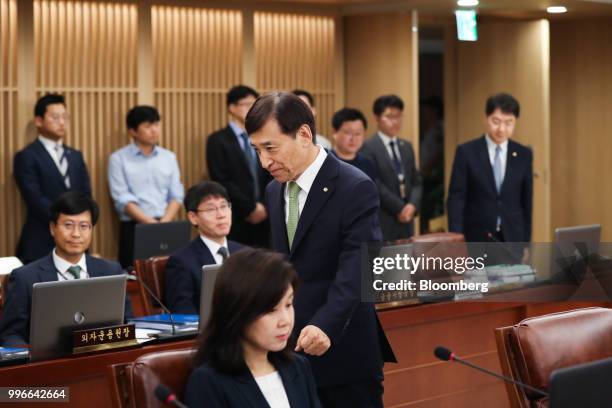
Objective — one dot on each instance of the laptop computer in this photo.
(209, 277)
(160, 239)
(584, 385)
(60, 307)
(573, 247)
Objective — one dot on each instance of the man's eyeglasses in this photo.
(83, 226)
(211, 211)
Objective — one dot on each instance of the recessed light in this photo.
(467, 3)
(556, 9)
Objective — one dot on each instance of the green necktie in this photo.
(294, 210)
(75, 270)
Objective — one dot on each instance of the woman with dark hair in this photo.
(244, 358)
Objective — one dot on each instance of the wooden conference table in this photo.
(414, 330)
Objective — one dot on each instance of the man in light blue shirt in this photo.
(144, 179)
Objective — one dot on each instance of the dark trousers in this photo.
(361, 394)
(126, 243)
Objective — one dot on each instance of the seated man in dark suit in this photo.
(210, 211)
(73, 217)
(43, 170)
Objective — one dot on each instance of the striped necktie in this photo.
(75, 270)
(60, 152)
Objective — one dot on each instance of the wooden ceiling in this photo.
(440, 8)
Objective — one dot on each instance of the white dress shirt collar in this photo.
(62, 265)
(213, 247)
(491, 145)
(306, 179)
(50, 144)
(386, 139)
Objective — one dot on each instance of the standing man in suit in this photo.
(144, 179)
(233, 163)
(321, 211)
(490, 196)
(210, 211)
(43, 170)
(72, 219)
(399, 182)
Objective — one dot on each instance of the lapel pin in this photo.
(514, 154)
(325, 189)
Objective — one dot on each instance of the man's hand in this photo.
(313, 341)
(526, 255)
(258, 215)
(407, 213)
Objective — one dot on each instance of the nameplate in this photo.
(104, 338)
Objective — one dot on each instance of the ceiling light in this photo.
(556, 9)
(467, 3)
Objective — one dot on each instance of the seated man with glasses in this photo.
(73, 216)
(209, 210)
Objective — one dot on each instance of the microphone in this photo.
(164, 394)
(131, 275)
(445, 354)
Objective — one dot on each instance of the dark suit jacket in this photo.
(340, 214)
(40, 183)
(208, 388)
(15, 326)
(184, 275)
(228, 165)
(391, 203)
(473, 201)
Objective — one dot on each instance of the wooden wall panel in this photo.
(381, 58)
(87, 52)
(197, 58)
(581, 123)
(509, 56)
(10, 202)
(298, 51)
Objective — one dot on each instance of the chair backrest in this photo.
(438, 245)
(532, 349)
(152, 272)
(7, 265)
(134, 383)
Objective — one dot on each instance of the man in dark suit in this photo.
(490, 195)
(72, 218)
(233, 163)
(43, 170)
(399, 182)
(210, 211)
(321, 211)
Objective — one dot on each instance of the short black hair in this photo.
(201, 191)
(238, 92)
(72, 203)
(289, 111)
(250, 284)
(141, 114)
(387, 101)
(306, 94)
(348, 115)
(504, 102)
(49, 99)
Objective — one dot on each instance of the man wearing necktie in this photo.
(399, 182)
(210, 211)
(43, 170)
(72, 220)
(232, 162)
(321, 211)
(490, 195)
